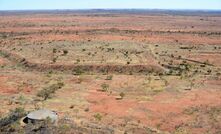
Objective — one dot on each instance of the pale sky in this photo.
(109, 4)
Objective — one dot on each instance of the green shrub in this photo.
(47, 92)
(98, 116)
(77, 71)
(104, 87)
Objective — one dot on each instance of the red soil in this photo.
(4, 88)
(7, 88)
(2, 61)
(165, 109)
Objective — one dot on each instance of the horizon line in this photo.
(176, 9)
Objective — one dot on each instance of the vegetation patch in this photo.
(47, 92)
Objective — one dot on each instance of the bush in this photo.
(98, 116)
(104, 87)
(54, 59)
(54, 50)
(47, 92)
(10, 123)
(122, 95)
(77, 71)
(65, 52)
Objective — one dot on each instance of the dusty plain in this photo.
(122, 72)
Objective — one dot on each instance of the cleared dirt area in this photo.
(120, 72)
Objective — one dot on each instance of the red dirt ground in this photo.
(164, 109)
(7, 88)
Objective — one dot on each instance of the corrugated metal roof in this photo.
(43, 114)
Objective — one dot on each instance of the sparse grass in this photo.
(157, 90)
(191, 110)
(64, 128)
(204, 115)
(106, 50)
(181, 130)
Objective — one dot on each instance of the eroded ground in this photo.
(179, 91)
